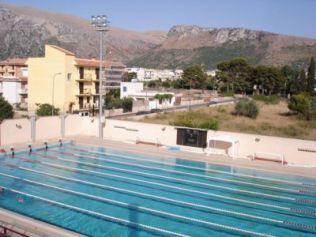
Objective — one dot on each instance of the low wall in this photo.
(247, 146)
(15, 131)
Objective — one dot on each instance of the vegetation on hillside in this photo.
(273, 120)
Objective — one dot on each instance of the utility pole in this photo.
(100, 22)
(53, 91)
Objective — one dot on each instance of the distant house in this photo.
(147, 74)
(135, 90)
(14, 80)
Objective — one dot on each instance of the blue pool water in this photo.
(104, 192)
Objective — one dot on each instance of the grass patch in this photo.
(193, 119)
(269, 100)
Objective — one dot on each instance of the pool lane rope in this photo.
(281, 223)
(144, 174)
(199, 207)
(296, 191)
(192, 168)
(293, 210)
(167, 214)
(100, 215)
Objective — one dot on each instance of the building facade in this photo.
(14, 81)
(135, 90)
(69, 83)
(146, 74)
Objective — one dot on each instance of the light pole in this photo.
(53, 90)
(100, 22)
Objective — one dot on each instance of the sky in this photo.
(291, 17)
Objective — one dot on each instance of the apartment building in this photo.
(69, 83)
(147, 74)
(14, 80)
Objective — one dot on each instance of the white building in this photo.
(13, 81)
(147, 74)
(135, 90)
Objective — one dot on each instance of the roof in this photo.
(96, 63)
(62, 50)
(14, 62)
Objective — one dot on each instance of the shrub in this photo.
(196, 120)
(247, 108)
(127, 104)
(6, 110)
(301, 105)
(272, 99)
(46, 110)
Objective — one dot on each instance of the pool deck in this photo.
(215, 159)
(31, 227)
(35, 228)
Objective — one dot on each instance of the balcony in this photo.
(85, 78)
(85, 92)
(23, 91)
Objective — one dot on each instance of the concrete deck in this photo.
(32, 227)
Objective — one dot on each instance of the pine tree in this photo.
(302, 81)
(311, 76)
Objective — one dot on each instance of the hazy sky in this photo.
(294, 17)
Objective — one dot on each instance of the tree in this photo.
(291, 77)
(128, 76)
(300, 104)
(193, 77)
(46, 110)
(6, 110)
(269, 79)
(311, 76)
(302, 80)
(235, 75)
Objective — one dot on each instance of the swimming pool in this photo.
(104, 192)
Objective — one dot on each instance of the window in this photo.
(81, 72)
(68, 76)
(124, 89)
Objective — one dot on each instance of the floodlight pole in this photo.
(101, 24)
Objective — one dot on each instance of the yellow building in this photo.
(69, 83)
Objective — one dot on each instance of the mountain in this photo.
(186, 45)
(25, 30)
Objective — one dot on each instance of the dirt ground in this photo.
(273, 120)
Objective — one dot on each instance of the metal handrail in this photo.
(6, 230)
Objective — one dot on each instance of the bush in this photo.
(272, 99)
(127, 104)
(301, 105)
(6, 110)
(196, 120)
(46, 110)
(247, 108)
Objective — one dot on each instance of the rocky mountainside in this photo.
(185, 45)
(25, 30)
